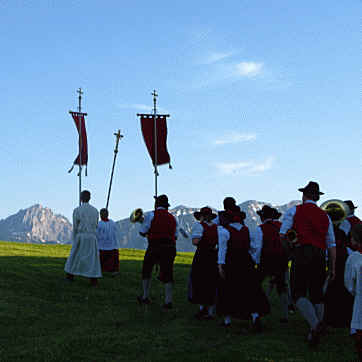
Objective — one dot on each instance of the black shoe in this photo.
(225, 325)
(167, 306)
(313, 338)
(142, 300)
(257, 326)
(209, 317)
(283, 320)
(201, 314)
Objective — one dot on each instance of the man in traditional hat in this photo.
(349, 222)
(160, 227)
(84, 256)
(108, 235)
(315, 234)
(272, 260)
(223, 217)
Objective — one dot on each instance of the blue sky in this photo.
(263, 97)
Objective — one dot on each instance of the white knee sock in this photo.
(319, 310)
(284, 304)
(227, 319)
(168, 293)
(212, 310)
(307, 310)
(146, 283)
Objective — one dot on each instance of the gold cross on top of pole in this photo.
(118, 137)
(80, 92)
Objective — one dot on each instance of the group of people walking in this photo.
(230, 264)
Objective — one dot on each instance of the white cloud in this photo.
(216, 57)
(235, 137)
(248, 69)
(245, 167)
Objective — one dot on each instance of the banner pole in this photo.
(155, 95)
(79, 91)
(118, 136)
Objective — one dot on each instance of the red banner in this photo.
(79, 121)
(148, 131)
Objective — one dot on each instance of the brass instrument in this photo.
(336, 209)
(137, 216)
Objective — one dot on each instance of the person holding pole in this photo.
(84, 255)
(161, 229)
(108, 243)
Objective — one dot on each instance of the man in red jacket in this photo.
(160, 228)
(315, 234)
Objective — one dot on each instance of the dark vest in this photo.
(239, 239)
(311, 224)
(271, 239)
(163, 226)
(209, 238)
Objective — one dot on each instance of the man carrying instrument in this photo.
(315, 234)
(160, 227)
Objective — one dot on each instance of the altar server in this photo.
(84, 256)
(108, 236)
(353, 282)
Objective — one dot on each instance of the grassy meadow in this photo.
(45, 318)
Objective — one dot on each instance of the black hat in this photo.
(229, 203)
(162, 201)
(311, 188)
(266, 212)
(350, 205)
(276, 214)
(206, 212)
(238, 213)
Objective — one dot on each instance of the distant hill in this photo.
(38, 224)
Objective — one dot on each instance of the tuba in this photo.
(336, 209)
(137, 216)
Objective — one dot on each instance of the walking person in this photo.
(160, 227)
(108, 243)
(84, 255)
(315, 234)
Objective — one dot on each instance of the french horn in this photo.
(137, 216)
(336, 209)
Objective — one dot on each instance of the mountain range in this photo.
(38, 224)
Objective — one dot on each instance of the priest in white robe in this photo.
(84, 256)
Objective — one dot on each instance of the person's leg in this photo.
(148, 263)
(167, 258)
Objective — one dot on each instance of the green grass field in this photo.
(44, 318)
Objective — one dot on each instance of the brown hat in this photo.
(311, 188)
(162, 201)
(266, 212)
(205, 212)
(350, 205)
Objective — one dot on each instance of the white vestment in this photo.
(108, 235)
(353, 282)
(84, 256)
